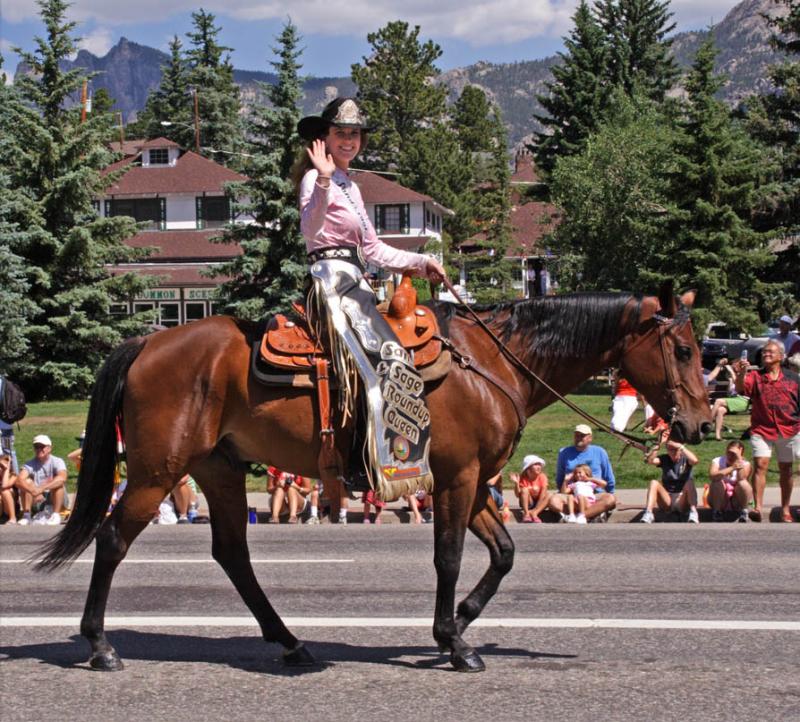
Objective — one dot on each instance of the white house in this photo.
(180, 195)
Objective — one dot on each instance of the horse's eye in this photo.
(684, 353)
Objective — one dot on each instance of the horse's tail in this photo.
(96, 477)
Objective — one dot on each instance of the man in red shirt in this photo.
(775, 421)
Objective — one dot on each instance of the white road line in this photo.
(363, 622)
(197, 561)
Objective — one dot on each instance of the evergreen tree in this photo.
(614, 199)
(102, 102)
(396, 92)
(491, 277)
(774, 120)
(16, 231)
(717, 251)
(53, 162)
(639, 51)
(472, 120)
(211, 76)
(578, 93)
(269, 274)
(171, 102)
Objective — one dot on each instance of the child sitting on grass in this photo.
(582, 489)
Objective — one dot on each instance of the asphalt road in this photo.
(567, 640)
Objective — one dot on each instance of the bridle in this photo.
(664, 324)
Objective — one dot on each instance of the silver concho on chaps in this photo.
(364, 348)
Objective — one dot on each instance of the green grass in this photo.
(544, 435)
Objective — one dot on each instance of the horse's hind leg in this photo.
(487, 526)
(451, 510)
(115, 536)
(223, 487)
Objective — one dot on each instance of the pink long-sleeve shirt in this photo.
(327, 220)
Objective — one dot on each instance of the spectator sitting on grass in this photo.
(530, 487)
(583, 452)
(730, 488)
(675, 490)
(42, 483)
(582, 490)
(7, 481)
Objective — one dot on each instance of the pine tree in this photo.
(472, 120)
(17, 211)
(396, 92)
(54, 161)
(490, 279)
(269, 274)
(578, 93)
(211, 76)
(774, 120)
(639, 51)
(171, 102)
(717, 251)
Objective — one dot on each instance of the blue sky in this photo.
(334, 31)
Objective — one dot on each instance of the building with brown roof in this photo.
(531, 221)
(180, 196)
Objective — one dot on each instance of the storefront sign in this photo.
(160, 294)
(198, 294)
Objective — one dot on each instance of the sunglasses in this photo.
(39, 446)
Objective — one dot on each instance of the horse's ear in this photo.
(666, 297)
(687, 299)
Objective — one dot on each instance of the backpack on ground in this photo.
(12, 402)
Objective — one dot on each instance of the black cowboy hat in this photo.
(342, 112)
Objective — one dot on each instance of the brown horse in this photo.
(188, 404)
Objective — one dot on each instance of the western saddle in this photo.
(289, 354)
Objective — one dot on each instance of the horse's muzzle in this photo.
(680, 432)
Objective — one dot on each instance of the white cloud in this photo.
(98, 42)
(478, 22)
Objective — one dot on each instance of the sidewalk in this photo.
(630, 504)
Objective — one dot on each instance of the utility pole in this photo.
(84, 99)
(196, 123)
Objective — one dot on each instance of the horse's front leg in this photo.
(451, 510)
(488, 527)
(224, 489)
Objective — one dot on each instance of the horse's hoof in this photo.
(470, 662)
(106, 662)
(298, 657)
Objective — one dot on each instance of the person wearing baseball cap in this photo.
(42, 484)
(596, 458)
(530, 486)
(785, 335)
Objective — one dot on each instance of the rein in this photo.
(629, 441)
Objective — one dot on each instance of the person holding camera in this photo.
(774, 421)
(288, 491)
(733, 403)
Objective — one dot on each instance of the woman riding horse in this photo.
(340, 239)
(187, 404)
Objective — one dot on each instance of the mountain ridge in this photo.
(130, 70)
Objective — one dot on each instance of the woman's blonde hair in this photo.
(302, 163)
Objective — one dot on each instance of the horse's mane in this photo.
(569, 326)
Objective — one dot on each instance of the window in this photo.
(159, 156)
(118, 309)
(145, 210)
(195, 311)
(392, 219)
(212, 211)
(169, 314)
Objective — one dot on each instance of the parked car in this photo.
(722, 341)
